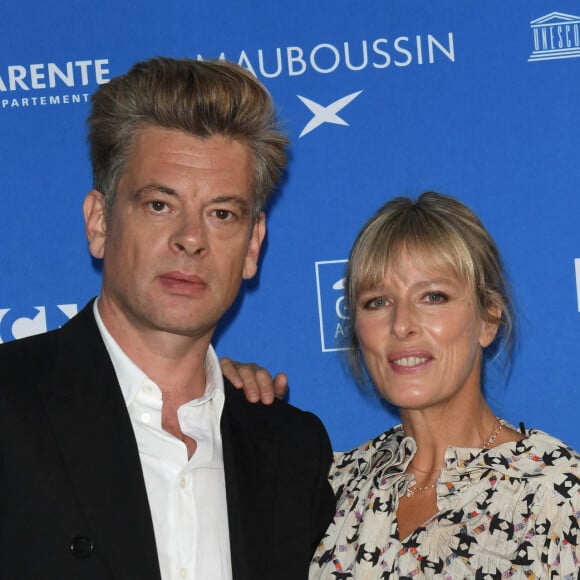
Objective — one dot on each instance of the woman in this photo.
(453, 491)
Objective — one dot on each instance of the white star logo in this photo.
(328, 114)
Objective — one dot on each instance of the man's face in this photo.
(180, 236)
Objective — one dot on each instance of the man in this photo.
(122, 453)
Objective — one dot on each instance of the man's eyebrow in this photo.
(152, 188)
(237, 200)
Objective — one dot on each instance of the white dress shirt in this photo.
(187, 497)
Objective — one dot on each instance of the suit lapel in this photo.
(94, 432)
(250, 463)
(93, 429)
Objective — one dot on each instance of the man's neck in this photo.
(176, 363)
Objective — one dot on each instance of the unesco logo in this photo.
(20, 323)
(332, 311)
(556, 35)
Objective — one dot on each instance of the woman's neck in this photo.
(434, 431)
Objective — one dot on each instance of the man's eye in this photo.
(158, 206)
(223, 214)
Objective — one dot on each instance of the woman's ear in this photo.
(490, 327)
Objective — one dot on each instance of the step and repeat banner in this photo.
(479, 100)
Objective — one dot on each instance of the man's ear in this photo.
(253, 254)
(489, 328)
(95, 222)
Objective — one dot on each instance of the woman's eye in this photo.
(375, 303)
(435, 298)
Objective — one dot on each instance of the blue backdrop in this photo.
(479, 100)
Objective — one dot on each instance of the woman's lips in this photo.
(409, 362)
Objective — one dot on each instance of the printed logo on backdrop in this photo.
(326, 58)
(328, 114)
(556, 35)
(332, 311)
(25, 86)
(20, 323)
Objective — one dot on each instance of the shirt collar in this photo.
(131, 377)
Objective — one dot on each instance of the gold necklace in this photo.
(414, 490)
(492, 438)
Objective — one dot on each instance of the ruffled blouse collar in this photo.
(464, 467)
(513, 460)
(392, 454)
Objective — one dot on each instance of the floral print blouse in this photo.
(507, 512)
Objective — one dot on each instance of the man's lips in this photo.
(181, 283)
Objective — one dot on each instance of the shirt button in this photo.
(81, 547)
(149, 386)
(146, 417)
(183, 573)
(183, 484)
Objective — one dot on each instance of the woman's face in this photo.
(421, 335)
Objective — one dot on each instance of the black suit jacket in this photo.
(73, 502)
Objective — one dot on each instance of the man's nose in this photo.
(190, 236)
